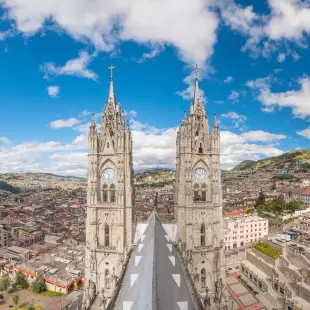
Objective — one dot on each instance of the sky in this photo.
(54, 59)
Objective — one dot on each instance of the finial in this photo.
(93, 116)
(196, 71)
(127, 123)
(215, 120)
(184, 114)
(111, 68)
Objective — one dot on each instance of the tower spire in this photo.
(111, 91)
(196, 91)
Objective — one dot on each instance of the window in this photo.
(203, 278)
(108, 145)
(112, 193)
(200, 192)
(106, 279)
(203, 234)
(106, 235)
(105, 193)
(200, 151)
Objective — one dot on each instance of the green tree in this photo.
(4, 283)
(38, 285)
(15, 299)
(293, 206)
(260, 202)
(20, 280)
(279, 205)
(31, 307)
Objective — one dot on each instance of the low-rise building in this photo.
(62, 268)
(29, 235)
(5, 236)
(242, 230)
(300, 193)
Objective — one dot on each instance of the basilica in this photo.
(154, 265)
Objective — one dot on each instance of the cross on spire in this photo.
(196, 71)
(111, 68)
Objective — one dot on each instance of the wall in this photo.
(265, 257)
(259, 263)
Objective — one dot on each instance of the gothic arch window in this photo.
(112, 193)
(203, 234)
(107, 279)
(203, 278)
(196, 192)
(108, 145)
(106, 235)
(200, 151)
(203, 192)
(105, 193)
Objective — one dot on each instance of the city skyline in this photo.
(54, 74)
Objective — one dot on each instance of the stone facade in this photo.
(199, 200)
(110, 195)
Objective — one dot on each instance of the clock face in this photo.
(200, 175)
(108, 175)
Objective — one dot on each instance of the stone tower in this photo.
(199, 201)
(110, 195)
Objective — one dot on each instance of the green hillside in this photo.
(155, 178)
(297, 160)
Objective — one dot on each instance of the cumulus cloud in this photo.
(228, 80)
(281, 57)
(288, 21)
(53, 91)
(297, 100)
(63, 123)
(234, 96)
(236, 118)
(76, 67)
(305, 133)
(105, 24)
(261, 136)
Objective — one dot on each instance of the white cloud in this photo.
(131, 113)
(305, 133)
(288, 21)
(281, 57)
(228, 80)
(297, 100)
(84, 113)
(53, 91)
(5, 140)
(234, 96)
(296, 56)
(188, 25)
(63, 123)
(236, 118)
(262, 136)
(76, 67)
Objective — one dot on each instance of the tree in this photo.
(20, 280)
(260, 200)
(4, 283)
(31, 307)
(15, 299)
(38, 285)
(293, 206)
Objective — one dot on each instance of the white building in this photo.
(242, 230)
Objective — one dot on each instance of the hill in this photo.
(155, 178)
(8, 188)
(244, 164)
(293, 161)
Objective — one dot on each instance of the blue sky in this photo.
(54, 72)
